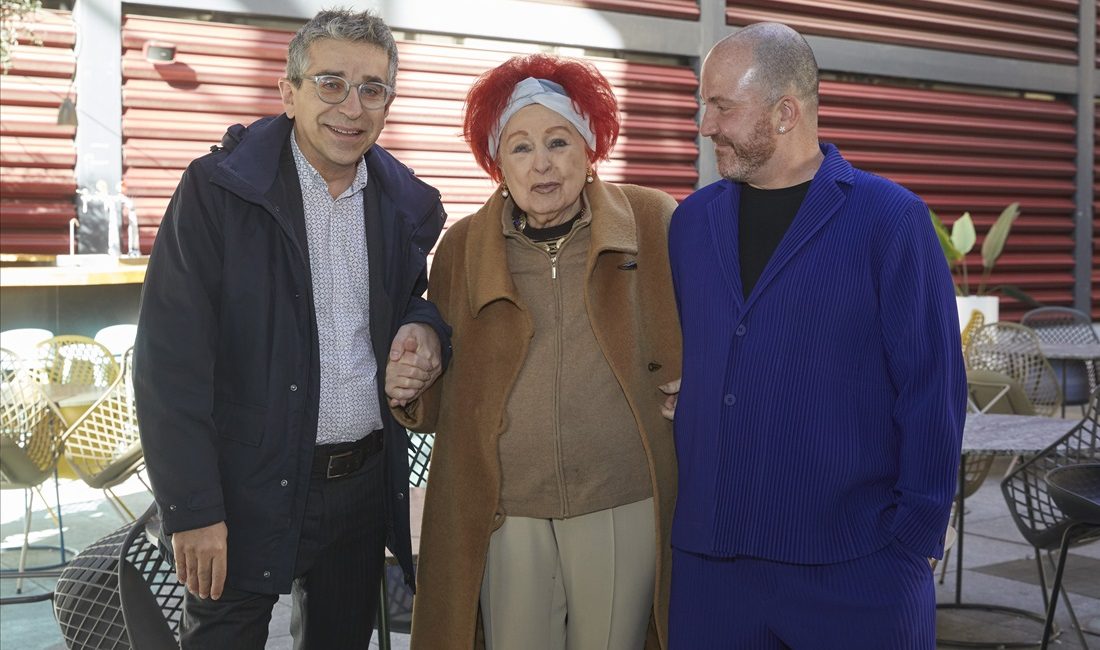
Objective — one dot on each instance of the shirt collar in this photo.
(307, 173)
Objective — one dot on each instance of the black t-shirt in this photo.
(765, 216)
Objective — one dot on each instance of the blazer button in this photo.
(293, 387)
(729, 399)
(741, 329)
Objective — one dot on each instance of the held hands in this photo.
(672, 389)
(200, 559)
(415, 363)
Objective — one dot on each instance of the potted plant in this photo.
(958, 243)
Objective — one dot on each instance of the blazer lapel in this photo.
(722, 216)
(823, 200)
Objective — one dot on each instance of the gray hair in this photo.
(784, 60)
(342, 25)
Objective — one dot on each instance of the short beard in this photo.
(748, 156)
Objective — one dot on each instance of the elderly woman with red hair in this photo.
(553, 477)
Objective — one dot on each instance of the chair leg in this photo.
(49, 508)
(142, 479)
(947, 553)
(1054, 593)
(383, 615)
(119, 506)
(28, 501)
(1042, 579)
(60, 523)
(1066, 600)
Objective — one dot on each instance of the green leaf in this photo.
(950, 253)
(1013, 291)
(994, 242)
(963, 234)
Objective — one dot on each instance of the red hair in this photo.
(591, 94)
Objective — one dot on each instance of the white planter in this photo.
(987, 305)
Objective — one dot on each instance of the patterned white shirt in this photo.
(348, 407)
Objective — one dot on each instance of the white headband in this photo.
(549, 94)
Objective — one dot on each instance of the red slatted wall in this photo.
(227, 73)
(1037, 30)
(1096, 214)
(38, 157)
(686, 9)
(977, 153)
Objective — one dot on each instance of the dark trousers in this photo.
(337, 576)
(882, 600)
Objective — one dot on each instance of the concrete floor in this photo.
(87, 517)
(999, 568)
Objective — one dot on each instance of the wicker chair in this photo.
(1041, 521)
(103, 445)
(121, 592)
(30, 446)
(1065, 325)
(74, 371)
(973, 324)
(1014, 350)
(395, 605)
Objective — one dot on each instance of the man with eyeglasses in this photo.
(283, 292)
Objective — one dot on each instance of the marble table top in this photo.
(1012, 434)
(1079, 351)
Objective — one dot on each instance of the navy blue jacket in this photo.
(820, 419)
(226, 369)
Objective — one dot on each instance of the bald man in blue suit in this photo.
(819, 422)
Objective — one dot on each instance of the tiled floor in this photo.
(999, 566)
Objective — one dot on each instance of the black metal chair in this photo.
(395, 605)
(1076, 490)
(121, 592)
(1064, 325)
(1039, 518)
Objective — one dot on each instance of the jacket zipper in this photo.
(552, 249)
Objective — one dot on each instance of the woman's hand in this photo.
(672, 389)
(414, 363)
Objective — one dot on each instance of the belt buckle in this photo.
(329, 470)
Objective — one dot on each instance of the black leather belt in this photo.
(343, 458)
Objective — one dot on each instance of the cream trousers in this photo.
(583, 583)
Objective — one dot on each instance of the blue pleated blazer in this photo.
(820, 419)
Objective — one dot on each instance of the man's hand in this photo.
(672, 389)
(415, 363)
(200, 559)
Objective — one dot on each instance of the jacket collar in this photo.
(253, 159)
(824, 198)
(487, 276)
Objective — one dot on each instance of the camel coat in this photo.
(632, 309)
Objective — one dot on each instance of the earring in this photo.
(589, 175)
(504, 189)
(782, 129)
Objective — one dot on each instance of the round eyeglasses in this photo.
(332, 89)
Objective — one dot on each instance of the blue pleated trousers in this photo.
(882, 601)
